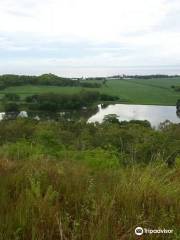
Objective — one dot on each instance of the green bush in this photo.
(11, 107)
(74, 180)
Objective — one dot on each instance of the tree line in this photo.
(10, 80)
(56, 102)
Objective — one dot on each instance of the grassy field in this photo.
(25, 91)
(134, 91)
(152, 91)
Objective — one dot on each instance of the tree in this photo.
(11, 97)
(178, 105)
(111, 118)
(11, 107)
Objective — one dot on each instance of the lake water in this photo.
(154, 114)
(125, 112)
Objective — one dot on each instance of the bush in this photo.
(11, 107)
(11, 97)
(74, 180)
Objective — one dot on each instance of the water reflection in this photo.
(46, 115)
(125, 112)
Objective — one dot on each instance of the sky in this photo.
(89, 37)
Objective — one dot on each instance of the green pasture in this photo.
(24, 91)
(142, 91)
(134, 91)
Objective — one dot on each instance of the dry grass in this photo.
(46, 199)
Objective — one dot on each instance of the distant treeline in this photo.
(55, 102)
(132, 77)
(96, 78)
(145, 76)
(10, 80)
(152, 76)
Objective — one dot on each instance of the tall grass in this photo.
(78, 181)
(51, 199)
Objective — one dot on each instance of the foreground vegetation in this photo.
(73, 180)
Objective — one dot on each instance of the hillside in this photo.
(83, 181)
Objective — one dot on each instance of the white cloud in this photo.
(93, 19)
(96, 32)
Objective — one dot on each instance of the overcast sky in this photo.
(84, 37)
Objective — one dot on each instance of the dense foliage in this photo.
(73, 180)
(176, 88)
(11, 97)
(133, 141)
(10, 80)
(55, 102)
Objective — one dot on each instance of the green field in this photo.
(134, 91)
(153, 91)
(24, 91)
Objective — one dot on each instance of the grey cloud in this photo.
(18, 46)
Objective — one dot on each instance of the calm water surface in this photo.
(125, 112)
(154, 114)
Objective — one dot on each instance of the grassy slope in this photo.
(66, 181)
(153, 91)
(29, 90)
(67, 201)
